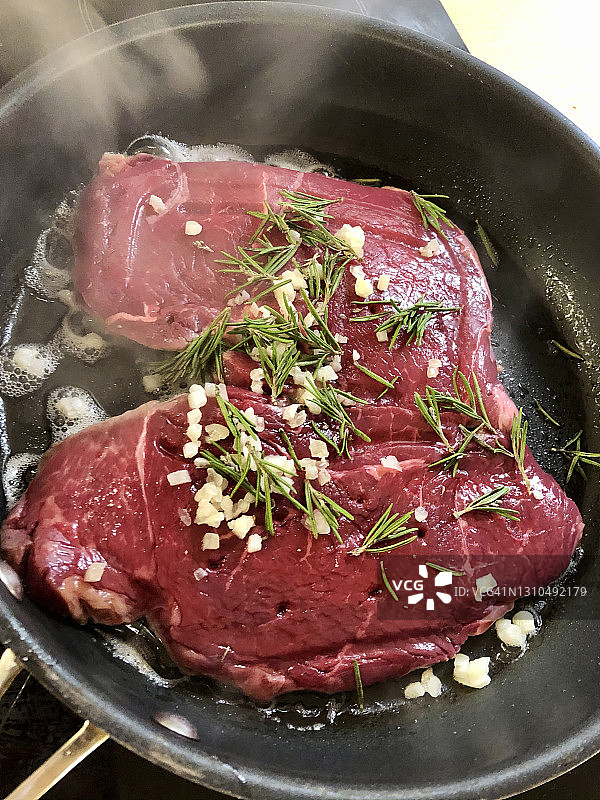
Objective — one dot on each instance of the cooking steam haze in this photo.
(95, 99)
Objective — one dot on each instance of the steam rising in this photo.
(95, 100)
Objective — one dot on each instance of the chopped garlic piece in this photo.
(94, 572)
(355, 355)
(321, 523)
(383, 282)
(526, 621)
(241, 526)
(157, 204)
(194, 416)
(318, 448)
(293, 417)
(201, 573)
(510, 634)
(212, 476)
(29, 360)
(71, 407)
(296, 278)
(190, 449)
(354, 236)
(421, 514)
(178, 477)
(414, 690)
(193, 228)
(431, 249)
(340, 338)
(431, 683)
(151, 383)
(363, 287)
(210, 389)
(194, 432)
(324, 476)
(471, 673)
(201, 463)
(185, 516)
(484, 584)
(197, 396)
(433, 367)
(326, 373)
(336, 363)
(299, 375)
(311, 470)
(254, 543)
(294, 236)
(207, 514)
(210, 541)
(382, 336)
(215, 432)
(390, 462)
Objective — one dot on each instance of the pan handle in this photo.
(84, 742)
(10, 667)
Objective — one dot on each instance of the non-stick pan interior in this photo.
(376, 101)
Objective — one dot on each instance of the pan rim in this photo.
(152, 743)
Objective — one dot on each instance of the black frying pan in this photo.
(374, 100)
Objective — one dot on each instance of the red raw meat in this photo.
(296, 614)
(144, 277)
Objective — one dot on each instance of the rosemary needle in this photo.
(359, 686)
(388, 533)
(488, 502)
(487, 243)
(566, 351)
(386, 582)
(545, 414)
(431, 214)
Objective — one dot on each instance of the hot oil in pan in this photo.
(77, 374)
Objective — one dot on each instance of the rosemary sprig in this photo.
(257, 264)
(201, 357)
(488, 503)
(331, 511)
(432, 214)
(572, 450)
(314, 499)
(487, 243)
(359, 686)
(453, 459)
(388, 533)
(566, 351)
(455, 572)
(518, 436)
(324, 276)
(412, 319)
(430, 411)
(329, 400)
(378, 378)
(545, 414)
(386, 582)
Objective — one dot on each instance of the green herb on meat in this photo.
(430, 212)
(388, 533)
(386, 582)
(455, 572)
(488, 503)
(201, 357)
(413, 319)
